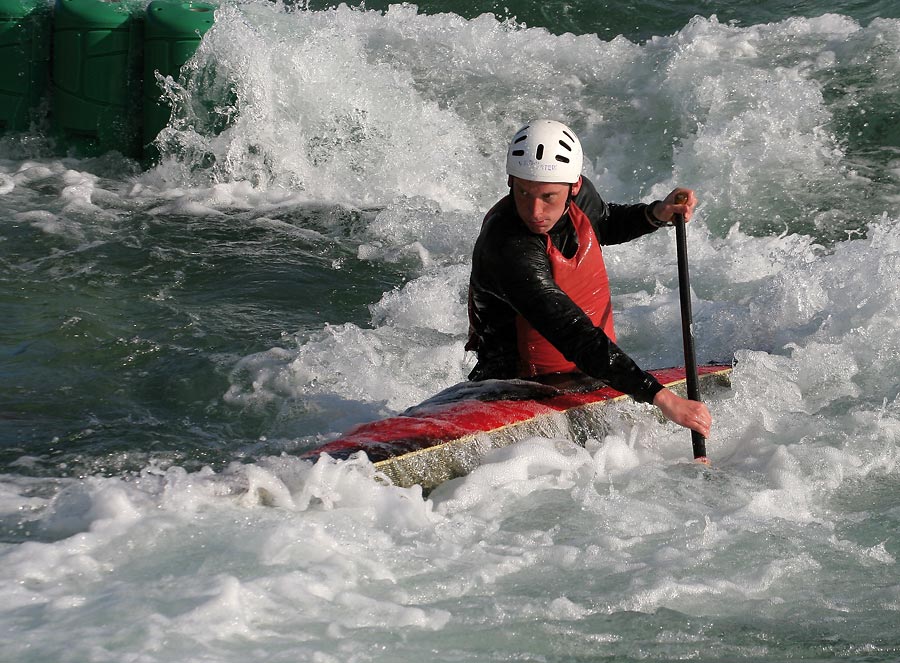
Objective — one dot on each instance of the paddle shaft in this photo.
(687, 328)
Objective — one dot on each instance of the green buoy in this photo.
(172, 35)
(96, 76)
(24, 61)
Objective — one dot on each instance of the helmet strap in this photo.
(569, 199)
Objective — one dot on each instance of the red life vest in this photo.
(583, 278)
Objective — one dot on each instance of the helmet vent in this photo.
(566, 145)
(539, 153)
(562, 159)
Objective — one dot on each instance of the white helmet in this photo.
(545, 151)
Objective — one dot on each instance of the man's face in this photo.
(540, 204)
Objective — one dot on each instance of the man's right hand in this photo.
(684, 412)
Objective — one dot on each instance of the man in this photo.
(539, 300)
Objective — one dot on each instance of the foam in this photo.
(322, 136)
(7, 184)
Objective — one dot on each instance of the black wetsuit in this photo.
(511, 274)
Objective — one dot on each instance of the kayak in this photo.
(447, 435)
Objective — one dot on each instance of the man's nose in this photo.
(535, 206)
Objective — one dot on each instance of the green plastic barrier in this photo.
(96, 76)
(172, 34)
(24, 61)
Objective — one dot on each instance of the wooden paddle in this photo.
(687, 326)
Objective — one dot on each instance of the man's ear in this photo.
(509, 181)
(576, 187)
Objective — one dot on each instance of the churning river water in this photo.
(172, 337)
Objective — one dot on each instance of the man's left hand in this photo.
(665, 210)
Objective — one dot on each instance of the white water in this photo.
(548, 551)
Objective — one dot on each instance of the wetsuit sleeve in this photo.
(613, 224)
(524, 278)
